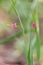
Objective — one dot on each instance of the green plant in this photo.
(29, 12)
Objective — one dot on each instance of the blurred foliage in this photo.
(27, 13)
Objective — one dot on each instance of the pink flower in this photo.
(33, 25)
(13, 25)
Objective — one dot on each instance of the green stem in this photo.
(38, 39)
(8, 39)
(18, 16)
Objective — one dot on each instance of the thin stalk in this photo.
(31, 50)
(18, 16)
(38, 38)
(23, 31)
(12, 37)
